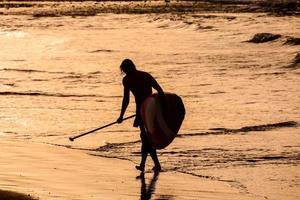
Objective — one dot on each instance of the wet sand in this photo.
(50, 172)
(60, 77)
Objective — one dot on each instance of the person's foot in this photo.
(140, 167)
(156, 168)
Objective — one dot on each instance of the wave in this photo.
(103, 51)
(8, 93)
(110, 147)
(38, 93)
(29, 70)
(227, 131)
(130, 150)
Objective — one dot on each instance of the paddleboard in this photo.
(162, 124)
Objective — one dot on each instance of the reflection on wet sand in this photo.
(147, 191)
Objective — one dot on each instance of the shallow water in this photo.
(60, 77)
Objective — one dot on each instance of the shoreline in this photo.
(67, 173)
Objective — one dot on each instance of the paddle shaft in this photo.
(96, 129)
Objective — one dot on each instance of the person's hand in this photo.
(120, 120)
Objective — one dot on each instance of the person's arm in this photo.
(157, 87)
(125, 103)
(161, 94)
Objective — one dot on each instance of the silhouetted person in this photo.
(140, 84)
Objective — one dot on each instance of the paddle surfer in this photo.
(140, 84)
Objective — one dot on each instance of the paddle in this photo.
(96, 129)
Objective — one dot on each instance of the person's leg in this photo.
(144, 150)
(154, 157)
(147, 148)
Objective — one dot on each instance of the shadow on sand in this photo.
(9, 195)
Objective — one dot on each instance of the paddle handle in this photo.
(96, 129)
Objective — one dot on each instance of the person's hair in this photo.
(127, 66)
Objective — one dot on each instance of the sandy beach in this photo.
(49, 172)
(236, 67)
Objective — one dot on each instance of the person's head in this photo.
(127, 66)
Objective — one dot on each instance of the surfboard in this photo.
(162, 124)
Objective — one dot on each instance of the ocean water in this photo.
(60, 77)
